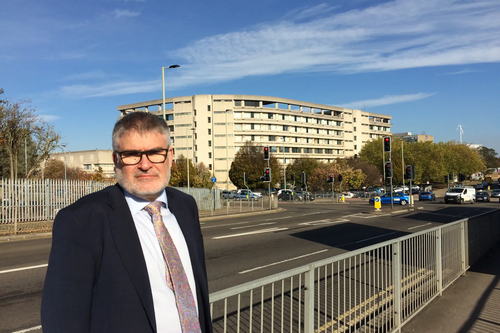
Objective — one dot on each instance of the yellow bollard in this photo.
(377, 203)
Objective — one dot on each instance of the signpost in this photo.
(377, 204)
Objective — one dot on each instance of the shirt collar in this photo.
(137, 204)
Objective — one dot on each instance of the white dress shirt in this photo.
(167, 317)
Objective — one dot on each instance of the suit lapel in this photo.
(128, 245)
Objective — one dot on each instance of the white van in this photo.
(460, 195)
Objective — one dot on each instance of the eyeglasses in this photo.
(133, 157)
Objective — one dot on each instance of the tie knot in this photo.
(153, 208)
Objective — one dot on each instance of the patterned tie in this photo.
(175, 275)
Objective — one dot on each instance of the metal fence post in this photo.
(396, 275)
(309, 300)
(439, 263)
(462, 245)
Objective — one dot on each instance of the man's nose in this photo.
(144, 164)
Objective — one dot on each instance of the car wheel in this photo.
(462, 201)
(403, 202)
(433, 198)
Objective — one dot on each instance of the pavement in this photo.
(471, 304)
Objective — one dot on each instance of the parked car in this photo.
(348, 195)
(302, 195)
(285, 195)
(228, 194)
(246, 196)
(479, 187)
(397, 198)
(495, 193)
(483, 196)
(427, 196)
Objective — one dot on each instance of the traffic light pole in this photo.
(333, 191)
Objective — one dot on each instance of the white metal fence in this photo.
(373, 289)
(30, 205)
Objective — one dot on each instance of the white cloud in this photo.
(386, 100)
(391, 36)
(117, 13)
(49, 118)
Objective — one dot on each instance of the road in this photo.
(240, 249)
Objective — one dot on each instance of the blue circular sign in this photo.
(377, 199)
(213, 179)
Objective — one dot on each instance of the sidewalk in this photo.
(471, 304)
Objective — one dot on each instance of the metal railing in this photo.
(373, 289)
(30, 205)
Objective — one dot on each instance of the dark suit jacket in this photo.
(97, 279)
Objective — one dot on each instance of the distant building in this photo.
(212, 128)
(408, 137)
(88, 160)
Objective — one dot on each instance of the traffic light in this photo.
(339, 177)
(446, 178)
(388, 169)
(292, 177)
(410, 172)
(330, 178)
(387, 143)
(267, 175)
(245, 177)
(461, 177)
(266, 153)
(303, 178)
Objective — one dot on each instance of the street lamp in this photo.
(163, 81)
(187, 154)
(227, 157)
(62, 146)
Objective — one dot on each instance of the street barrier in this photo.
(374, 289)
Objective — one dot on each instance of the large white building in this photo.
(88, 160)
(212, 128)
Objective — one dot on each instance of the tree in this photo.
(203, 175)
(21, 129)
(250, 160)
(54, 169)
(490, 159)
(182, 172)
(372, 174)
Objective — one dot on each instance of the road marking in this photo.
(325, 221)
(253, 225)
(364, 240)
(281, 262)
(279, 218)
(251, 233)
(312, 213)
(223, 225)
(29, 329)
(23, 268)
(419, 226)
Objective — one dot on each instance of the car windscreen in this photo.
(456, 190)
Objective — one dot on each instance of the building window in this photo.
(354, 119)
(252, 103)
(318, 151)
(209, 131)
(270, 116)
(210, 166)
(272, 137)
(355, 147)
(296, 150)
(210, 143)
(355, 137)
(209, 120)
(237, 103)
(354, 128)
(209, 155)
(208, 107)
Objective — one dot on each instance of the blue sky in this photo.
(430, 64)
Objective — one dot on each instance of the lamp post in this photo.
(227, 157)
(284, 164)
(65, 175)
(163, 81)
(187, 154)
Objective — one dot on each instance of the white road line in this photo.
(325, 221)
(253, 225)
(29, 329)
(312, 213)
(279, 218)
(419, 226)
(23, 268)
(251, 233)
(281, 262)
(223, 225)
(364, 240)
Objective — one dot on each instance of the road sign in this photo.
(213, 179)
(377, 203)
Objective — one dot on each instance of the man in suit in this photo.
(110, 268)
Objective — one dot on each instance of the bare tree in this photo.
(18, 125)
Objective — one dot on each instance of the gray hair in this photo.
(141, 122)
